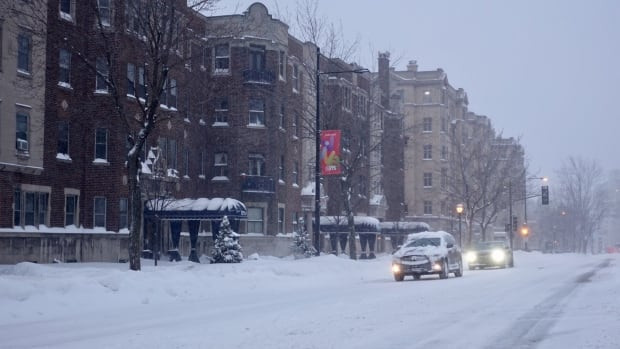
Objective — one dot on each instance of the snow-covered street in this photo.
(546, 301)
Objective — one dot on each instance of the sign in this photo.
(330, 153)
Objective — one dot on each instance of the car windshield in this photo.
(485, 245)
(424, 242)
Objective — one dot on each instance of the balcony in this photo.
(258, 184)
(252, 76)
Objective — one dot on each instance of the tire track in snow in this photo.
(531, 328)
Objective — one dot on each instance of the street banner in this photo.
(330, 152)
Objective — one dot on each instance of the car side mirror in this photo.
(449, 245)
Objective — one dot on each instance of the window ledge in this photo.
(256, 126)
(24, 74)
(220, 179)
(102, 92)
(220, 124)
(65, 85)
(101, 162)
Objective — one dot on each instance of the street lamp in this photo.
(317, 153)
(459, 210)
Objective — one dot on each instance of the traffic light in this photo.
(514, 223)
(545, 194)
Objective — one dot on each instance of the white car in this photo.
(427, 253)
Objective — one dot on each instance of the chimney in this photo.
(412, 66)
(384, 78)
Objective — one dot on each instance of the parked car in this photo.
(485, 254)
(427, 253)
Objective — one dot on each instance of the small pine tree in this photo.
(301, 242)
(226, 248)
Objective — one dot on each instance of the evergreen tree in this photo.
(227, 248)
(301, 242)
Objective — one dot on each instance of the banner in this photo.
(330, 152)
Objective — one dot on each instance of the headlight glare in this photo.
(498, 255)
(471, 256)
(395, 268)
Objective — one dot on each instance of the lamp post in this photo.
(317, 149)
(459, 210)
(525, 231)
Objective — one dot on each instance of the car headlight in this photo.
(471, 256)
(395, 268)
(498, 256)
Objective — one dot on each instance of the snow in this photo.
(200, 204)
(61, 156)
(546, 301)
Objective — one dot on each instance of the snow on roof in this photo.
(428, 234)
(308, 189)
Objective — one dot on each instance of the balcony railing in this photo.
(259, 184)
(258, 76)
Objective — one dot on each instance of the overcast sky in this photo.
(545, 71)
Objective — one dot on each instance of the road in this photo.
(546, 301)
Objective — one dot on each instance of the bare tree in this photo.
(582, 193)
(482, 166)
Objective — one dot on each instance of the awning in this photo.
(195, 209)
(339, 224)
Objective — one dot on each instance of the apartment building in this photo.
(431, 108)
(22, 117)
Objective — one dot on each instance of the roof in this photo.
(338, 224)
(403, 227)
(428, 234)
(190, 209)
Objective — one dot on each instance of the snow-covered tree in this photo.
(226, 248)
(302, 245)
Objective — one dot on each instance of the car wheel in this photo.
(444, 270)
(416, 276)
(399, 277)
(459, 272)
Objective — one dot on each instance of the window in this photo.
(169, 94)
(282, 168)
(171, 157)
(256, 166)
(427, 125)
(220, 165)
(1, 46)
(64, 68)
(428, 207)
(23, 53)
(102, 75)
(428, 179)
(99, 212)
(255, 220)
(444, 178)
(428, 152)
(282, 118)
(186, 163)
(294, 124)
(281, 220)
(203, 162)
(131, 17)
(104, 12)
(123, 207)
(21, 133)
(141, 83)
(222, 58)
(257, 57)
(131, 80)
(444, 152)
(296, 173)
(282, 65)
(63, 138)
(346, 97)
(101, 144)
(444, 124)
(295, 221)
(30, 208)
(65, 9)
(221, 111)
(257, 112)
(71, 205)
(295, 78)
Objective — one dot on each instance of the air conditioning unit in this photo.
(22, 145)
